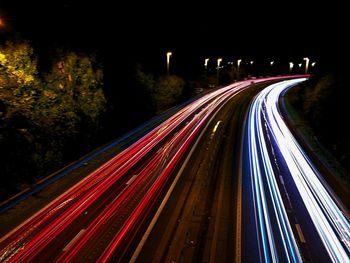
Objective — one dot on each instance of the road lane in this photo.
(290, 204)
(103, 216)
(105, 193)
(197, 223)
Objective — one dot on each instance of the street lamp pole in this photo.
(168, 54)
(206, 65)
(306, 64)
(218, 67)
(239, 63)
(290, 67)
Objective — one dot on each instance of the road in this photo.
(172, 195)
(102, 216)
(290, 214)
(197, 225)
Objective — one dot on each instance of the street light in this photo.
(306, 64)
(239, 63)
(206, 65)
(219, 61)
(168, 61)
(290, 67)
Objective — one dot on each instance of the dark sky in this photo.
(145, 30)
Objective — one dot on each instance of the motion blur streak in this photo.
(98, 218)
(266, 124)
(261, 172)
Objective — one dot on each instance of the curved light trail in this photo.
(99, 217)
(271, 146)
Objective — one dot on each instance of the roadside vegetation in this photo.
(45, 114)
(54, 110)
(320, 108)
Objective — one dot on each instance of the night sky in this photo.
(124, 32)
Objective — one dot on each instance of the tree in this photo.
(19, 83)
(75, 80)
(19, 90)
(317, 98)
(72, 101)
(41, 119)
(166, 91)
(325, 104)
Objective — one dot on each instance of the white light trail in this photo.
(332, 226)
(261, 170)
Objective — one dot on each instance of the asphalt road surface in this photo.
(220, 180)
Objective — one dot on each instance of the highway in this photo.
(290, 214)
(182, 193)
(102, 217)
(197, 224)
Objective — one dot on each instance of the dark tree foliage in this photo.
(165, 91)
(325, 104)
(42, 118)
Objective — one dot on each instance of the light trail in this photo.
(111, 204)
(270, 144)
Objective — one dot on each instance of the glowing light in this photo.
(265, 121)
(219, 61)
(109, 193)
(168, 54)
(306, 64)
(291, 65)
(216, 126)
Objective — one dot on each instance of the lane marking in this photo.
(216, 126)
(281, 178)
(73, 240)
(177, 177)
(300, 233)
(131, 179)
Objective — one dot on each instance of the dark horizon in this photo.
(143, 33)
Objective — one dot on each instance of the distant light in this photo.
(306, 64)
(219, 61)
(291, 65)
(239, 62)
(271, 63)
(216, 126)
(2, 23)
(300, 64)
(206, 62)
(251, 62)
(168, 54)
(313, 64)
